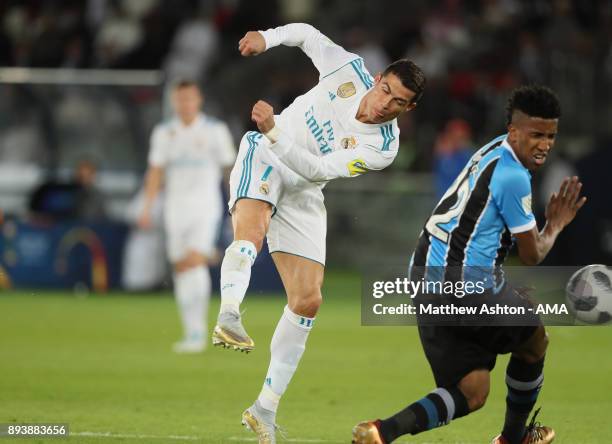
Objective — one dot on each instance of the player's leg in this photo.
(191, 250)
(255, 187)
(296, 238)
(302, 279)
(184, 287)
(250, 219)
(436, 409)
(192, 289)
(461, 371)
(524, 379)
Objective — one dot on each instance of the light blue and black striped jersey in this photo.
(473, 223)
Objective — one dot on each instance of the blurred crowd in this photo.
(473, 52)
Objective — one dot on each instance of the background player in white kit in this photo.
(343, 127)
(190, 153)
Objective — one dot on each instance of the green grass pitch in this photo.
(104, 365)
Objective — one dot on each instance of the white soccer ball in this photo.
(589, 294)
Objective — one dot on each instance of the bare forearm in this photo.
(544, 243)
(533, 246)
(152, 187)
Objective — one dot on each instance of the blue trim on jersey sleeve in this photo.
(365, 77)
(511, 189)
(496, 140)
(387, 132)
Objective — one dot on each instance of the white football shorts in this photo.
(192, 232)
(299, 221)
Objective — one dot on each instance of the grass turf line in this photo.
(104, 364)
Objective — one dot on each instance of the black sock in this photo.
(434, 410)
(524, 382)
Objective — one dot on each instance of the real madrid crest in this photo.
(264, 188)
(348, 142)
(346, 90)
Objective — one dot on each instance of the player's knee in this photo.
(250, 229)
(476, 395)
(475, 387)
(477, 400)
(254, 234)
(251, 220)
(307, 302)
(535, 348)
(238, 255)
(193, 259)
(181, 266)
(543, 343)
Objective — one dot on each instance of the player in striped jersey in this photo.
(344, 126)
(485, 210)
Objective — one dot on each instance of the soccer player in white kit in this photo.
(343, 127)
(190, 153)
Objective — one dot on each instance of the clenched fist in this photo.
(263, 116)
(252, 44)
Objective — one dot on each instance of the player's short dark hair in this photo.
(535, 101)
(186, 83)
(411, 76)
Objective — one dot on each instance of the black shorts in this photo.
(461, 346)
(454, 351)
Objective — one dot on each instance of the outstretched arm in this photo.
(343, 163)
(562, 208)
(325, 54)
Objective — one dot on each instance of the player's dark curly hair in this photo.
(535, 101)
(410, 74)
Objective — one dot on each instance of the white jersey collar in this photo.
(198, 121)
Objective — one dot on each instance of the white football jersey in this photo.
(193, 158)
(321, 138)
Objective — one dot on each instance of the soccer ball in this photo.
(589, 294)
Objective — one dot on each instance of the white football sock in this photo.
(236, 273)
(200, 304)
(192, 290)
(287, 346)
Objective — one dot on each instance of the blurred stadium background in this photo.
(82, 83)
